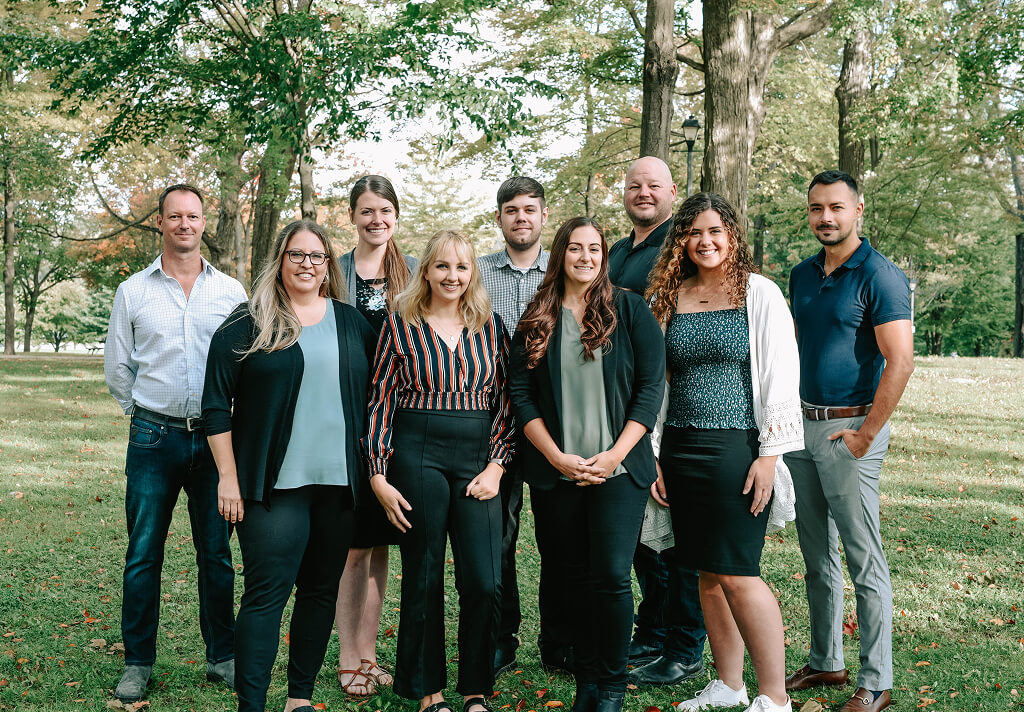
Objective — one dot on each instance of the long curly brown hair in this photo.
(541, 316)
(674, 264)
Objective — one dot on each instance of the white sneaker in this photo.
(716, 694)
(763, 703)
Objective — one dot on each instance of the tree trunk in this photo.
(758, 242)
(1017, 169)
(10, 242)
(30, 319)
(306, 185)
(224, 242)
(276, 169)
(740, 47)
(851, 93)
(660, 71)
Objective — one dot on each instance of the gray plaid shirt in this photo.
(511, 288)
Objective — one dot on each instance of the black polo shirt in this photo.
(836, 316)
(629, 267)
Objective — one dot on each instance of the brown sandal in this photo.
(375, 672)
(358, 680)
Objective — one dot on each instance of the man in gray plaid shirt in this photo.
(512, 276)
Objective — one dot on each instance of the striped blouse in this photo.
(415, 369)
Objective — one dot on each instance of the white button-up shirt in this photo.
(155, 355)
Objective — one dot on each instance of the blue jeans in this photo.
(162, 461)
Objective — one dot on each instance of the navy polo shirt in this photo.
(836, 316)
(630, 267)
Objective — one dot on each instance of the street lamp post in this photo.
(691, 127)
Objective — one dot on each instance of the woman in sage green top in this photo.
(586, 380)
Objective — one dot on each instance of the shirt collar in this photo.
(540, 263)
(157, 266)
(853, 262)
(656, 237)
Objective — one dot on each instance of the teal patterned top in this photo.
(709, 359)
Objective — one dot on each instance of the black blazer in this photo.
(264, 387)
(634, 385)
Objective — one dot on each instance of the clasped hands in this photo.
(587, 471)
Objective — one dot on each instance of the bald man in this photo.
(668, 641)
(647, 196)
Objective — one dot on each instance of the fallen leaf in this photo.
(320, 706)
(521, 705)
(811, 706)
(541, 692)
(73, 684)
(850, 624)
(114, 705)
(554, 703)
(921, 663)
(98, 643)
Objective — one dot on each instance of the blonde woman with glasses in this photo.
(294, 364)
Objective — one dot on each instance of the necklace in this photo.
(450, 337)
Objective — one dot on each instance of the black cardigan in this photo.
(264, 387)
(634, 385)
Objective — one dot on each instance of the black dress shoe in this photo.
(662, 671)
(586, 697)
(642, 652)
(558, 660)
(609, 701)
(504, 659)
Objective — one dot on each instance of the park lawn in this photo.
(952, 495)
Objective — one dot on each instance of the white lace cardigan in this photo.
(775, 377)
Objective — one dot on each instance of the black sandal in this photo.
(438, 706)
(481, 700)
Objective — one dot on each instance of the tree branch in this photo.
(803, 25)
(635, 16)
(691, 63)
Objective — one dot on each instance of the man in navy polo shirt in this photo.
(852, 311)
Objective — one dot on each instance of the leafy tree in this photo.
(287, 78)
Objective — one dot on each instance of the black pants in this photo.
(591, 533)
(436, 455)
(555, 635)
(302, 540)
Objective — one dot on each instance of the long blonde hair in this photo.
(276, 325)
(413, 304)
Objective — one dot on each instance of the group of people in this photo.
(370, 399)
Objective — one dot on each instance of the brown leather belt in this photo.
(824, 413)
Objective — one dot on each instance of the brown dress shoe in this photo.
(806, 678)
(862, 702)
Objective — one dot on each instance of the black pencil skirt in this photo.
(704, 475)
(436, 455)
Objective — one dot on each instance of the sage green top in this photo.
(585, 427)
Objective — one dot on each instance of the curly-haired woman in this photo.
(733, 409)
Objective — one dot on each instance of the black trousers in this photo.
(591, 533)
(555, 635)
(301, 541)
(436, 455)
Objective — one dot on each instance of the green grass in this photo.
(952, 492)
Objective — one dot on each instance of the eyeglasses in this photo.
(298, 257)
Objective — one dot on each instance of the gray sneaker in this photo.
(132, 687)
(222, 672)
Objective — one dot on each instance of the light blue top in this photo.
(709, 357)
(316, 448)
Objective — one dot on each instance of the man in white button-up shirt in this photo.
(155, 364)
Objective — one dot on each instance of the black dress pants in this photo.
(591, 533)
(436, 455)
(301, 541)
